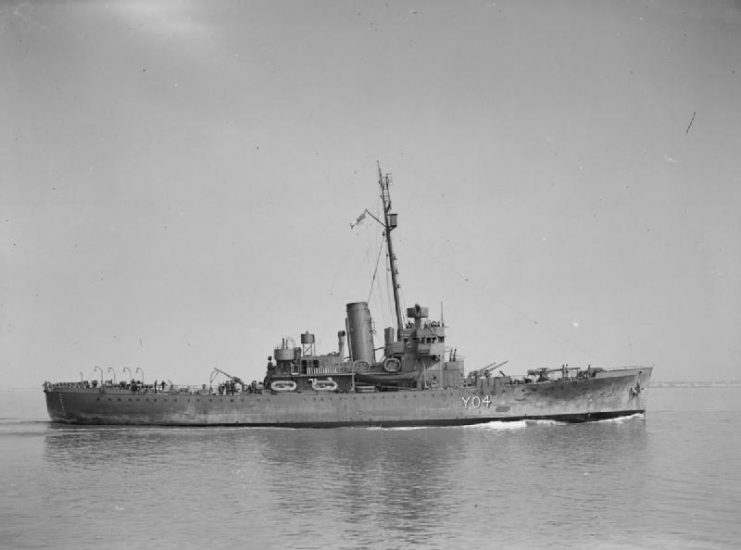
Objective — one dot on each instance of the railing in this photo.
(171, 389)
(345, 368)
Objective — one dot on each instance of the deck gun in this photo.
(487, 370)
(236, 379)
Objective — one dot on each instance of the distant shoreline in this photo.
(698, 384)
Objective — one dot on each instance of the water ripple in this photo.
(666, 480)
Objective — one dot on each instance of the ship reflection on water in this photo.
(376, 481)
(669, 482)
(318, 488)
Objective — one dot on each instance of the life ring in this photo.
(324, 385)
(392, 364)
(283, 385)
(360, 366)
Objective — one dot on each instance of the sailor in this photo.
(270, 362)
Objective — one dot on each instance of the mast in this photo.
(389, 222)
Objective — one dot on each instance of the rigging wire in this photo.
(389, 293)
(375, 272)
(448, 265)
(381, 303)
(387, 307)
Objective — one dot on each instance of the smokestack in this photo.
(341, 343)
(360, 332)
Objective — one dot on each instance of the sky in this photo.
(178, 180)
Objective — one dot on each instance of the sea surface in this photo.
(671, 479)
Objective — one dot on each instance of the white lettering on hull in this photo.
(476, 402)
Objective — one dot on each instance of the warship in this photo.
(417, 380)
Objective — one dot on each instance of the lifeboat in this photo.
(324, 385)
(283, 385)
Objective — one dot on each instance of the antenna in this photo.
(389, 224)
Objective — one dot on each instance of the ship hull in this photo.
(608, 395)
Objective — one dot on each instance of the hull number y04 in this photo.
(476, 402)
